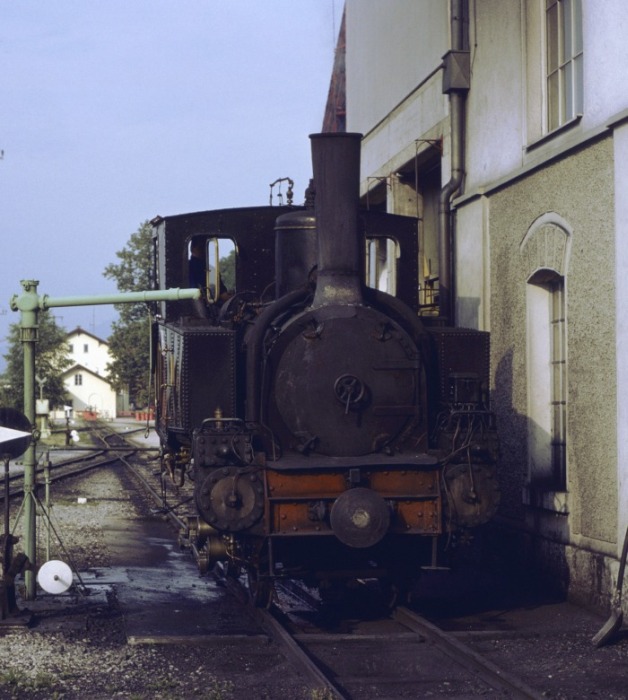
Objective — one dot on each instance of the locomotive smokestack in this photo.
(336, 167)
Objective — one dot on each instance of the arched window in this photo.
(547, 365)
(545, 249)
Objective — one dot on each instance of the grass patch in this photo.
(321, 694)
(17, 682)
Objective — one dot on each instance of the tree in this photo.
(51, 359)
(129, 342)
(227, 270)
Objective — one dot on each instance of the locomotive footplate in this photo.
(297, 462)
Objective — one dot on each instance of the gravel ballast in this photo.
(76, 646)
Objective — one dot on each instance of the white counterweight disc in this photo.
(55, 576)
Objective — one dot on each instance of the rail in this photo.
(463, 655)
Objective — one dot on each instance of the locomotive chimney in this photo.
(336, 168)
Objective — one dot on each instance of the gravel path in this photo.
(76, 646)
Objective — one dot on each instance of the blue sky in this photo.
(112, 112)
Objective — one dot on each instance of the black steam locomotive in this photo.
(329, 433)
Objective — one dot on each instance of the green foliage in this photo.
(217, 690)
(321, 694)
(133, 271)
(51, 361)
(129, 346)
(227, 270)
(18, 683)
(129, 342)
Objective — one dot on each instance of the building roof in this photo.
(335, 118)
(81, 368)
(80, 331)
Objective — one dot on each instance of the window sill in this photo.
(554, 133)
(546, 499)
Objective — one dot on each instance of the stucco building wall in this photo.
(591, 358)
(89, 351)
(495, 104)
(620, 143)
(381, 36)
(526, 191)
(93, 393)
(86, 380)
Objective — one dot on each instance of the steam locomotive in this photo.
(329, 433)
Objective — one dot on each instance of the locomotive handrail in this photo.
(222, 420)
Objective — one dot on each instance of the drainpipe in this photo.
(456, 82)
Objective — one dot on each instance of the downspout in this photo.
(456, 79)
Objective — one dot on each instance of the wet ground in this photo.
(164, 598)
(139, 621)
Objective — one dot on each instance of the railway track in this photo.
(54, 466)
(391, 656)
(50, 472)
(403, 655)
(347, 653)
(395, 657)
(359, 650)
(85, 458)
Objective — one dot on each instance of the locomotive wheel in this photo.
(230, 499)
(261, 589)
(473, 494)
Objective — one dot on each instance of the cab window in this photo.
(211, 265)
(221, 259)
(381, 264)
